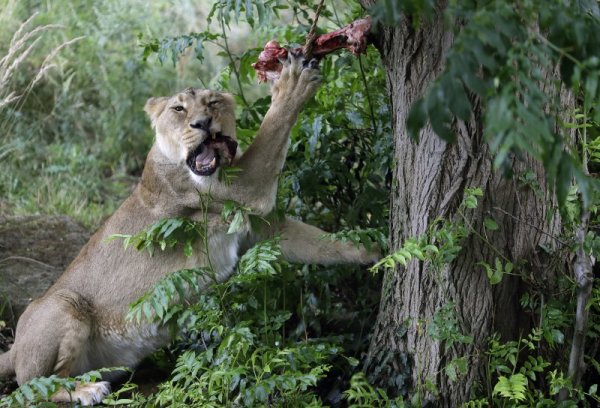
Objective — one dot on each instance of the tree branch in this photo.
(582, 272)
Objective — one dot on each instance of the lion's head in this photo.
(195, 127)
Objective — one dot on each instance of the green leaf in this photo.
(470, 202)
(352, 361)
(237, 223)
(188, 248)
(460, 105)
(455, 367)
(417, 118)
(494, 275)
(27, 392)
(440, 123)
(490, 224)
(399, 258)
(557, 336)
(512, 388)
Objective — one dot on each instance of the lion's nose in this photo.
(203, 124)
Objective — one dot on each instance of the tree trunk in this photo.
(429, 180)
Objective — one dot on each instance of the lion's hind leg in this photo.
(84, 394)
(51, 338)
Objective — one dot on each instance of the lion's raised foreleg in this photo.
(261, 164)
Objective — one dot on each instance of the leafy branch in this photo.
(166, 300)
(503, 60)
(42, 388)
(368, 237)
(165, 234)
(440, 245)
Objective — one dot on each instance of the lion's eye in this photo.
(178, 108)
(213, 103)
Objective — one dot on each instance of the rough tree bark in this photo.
(429, 180)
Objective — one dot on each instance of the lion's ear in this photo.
(154, 107)
(229, 98)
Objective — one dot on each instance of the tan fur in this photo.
(79, 324)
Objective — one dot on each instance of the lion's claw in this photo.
(312, 64)
(298, 82)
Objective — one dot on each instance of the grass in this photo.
(73, 136)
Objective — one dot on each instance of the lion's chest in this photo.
(126, 344)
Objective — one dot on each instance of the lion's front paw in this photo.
(298, 82)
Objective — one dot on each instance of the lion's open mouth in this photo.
(206, 158)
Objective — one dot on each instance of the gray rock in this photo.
(34, 251)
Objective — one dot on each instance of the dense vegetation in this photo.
(74, 143)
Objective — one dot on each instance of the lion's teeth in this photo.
(213, 162)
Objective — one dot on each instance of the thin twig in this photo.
(310, 38)
(364, 80)
(582, 272)
(233, 66)
(337, 19)
(27, 259)
(531, 225)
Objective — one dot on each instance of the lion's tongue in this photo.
(206, 158)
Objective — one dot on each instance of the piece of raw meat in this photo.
(353, 37)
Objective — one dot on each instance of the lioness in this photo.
(79, 324)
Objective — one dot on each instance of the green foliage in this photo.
(239, 371)
(504, 60)
(440, 245)
(367, 237)
(235, 214)
(172, 47)
(230, 358)
(42, 388)
(167, 299)
(555, 317)
(361, 394)
(520, 376)
(260, 261)
(391, 12)
(339, 158)
(480, 403)
(445, 327)
(419, 249)
(496, 273)
(165, 234)
(512, 387)
(456, 367)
